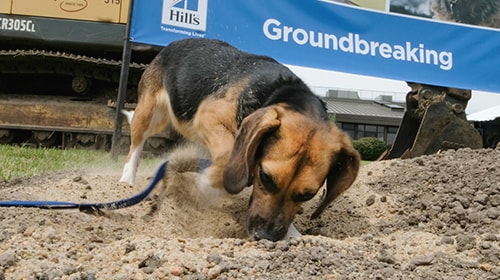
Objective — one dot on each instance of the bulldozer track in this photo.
(68, 119)
(54, 62)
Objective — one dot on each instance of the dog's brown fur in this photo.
(260, 123)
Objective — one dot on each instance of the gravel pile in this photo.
(432, 217)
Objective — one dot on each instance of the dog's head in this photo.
(287, 157)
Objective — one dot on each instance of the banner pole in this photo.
(122, 88)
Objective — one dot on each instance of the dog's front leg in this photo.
(215, 124)
(211, 179)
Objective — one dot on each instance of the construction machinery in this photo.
(60, 69)
(434, 121)
(59, 73)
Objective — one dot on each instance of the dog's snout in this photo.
(272, 235)
(267, 230)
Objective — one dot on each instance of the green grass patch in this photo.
(365, 162)
(21, 162)
(24, 162)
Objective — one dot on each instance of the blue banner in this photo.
(327, 35)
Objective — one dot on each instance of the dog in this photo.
(477, 12)
(261, 124)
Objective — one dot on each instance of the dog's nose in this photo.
(272, 235)
(262, 234)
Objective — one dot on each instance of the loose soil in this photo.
(431, 217)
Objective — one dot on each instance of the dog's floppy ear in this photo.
(248, 139)
(343, 171)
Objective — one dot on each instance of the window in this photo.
(391, 134)
(350, 129)
(366, 130)
(357, 131)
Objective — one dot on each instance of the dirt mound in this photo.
(433, 217)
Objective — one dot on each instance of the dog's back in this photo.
(195, 69)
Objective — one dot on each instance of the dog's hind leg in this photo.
(150, 117)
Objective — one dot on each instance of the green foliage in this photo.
(370, 148)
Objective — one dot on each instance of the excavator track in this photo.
(65, 100)
(78, 67)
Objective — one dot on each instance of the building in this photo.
(379, 114)
(487, 122)
(360, 117)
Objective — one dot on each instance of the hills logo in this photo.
(191, 14)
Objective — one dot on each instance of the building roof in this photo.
(365, 111)
(485, 115)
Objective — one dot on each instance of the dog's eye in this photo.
(302, 197)
(267, 181)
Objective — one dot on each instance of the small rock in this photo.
(493, 213)
(29, 231)
(214, 258)
(490, 237)
(129, 247)
(213, 273)
(465, 242)
(420, 162)
(177, 270)
(495, 200)
(282, 245)
(485, 245)
(370, 200)
(268, 244)
(446, 240)
(386, 257)
(485, 266)
(481, 198)
(422, 260)
(151, 261)
(8, 259)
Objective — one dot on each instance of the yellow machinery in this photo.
(60, 69)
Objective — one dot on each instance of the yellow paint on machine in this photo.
(102, 11)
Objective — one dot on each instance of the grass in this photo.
(365, 162)
(24, 162)
(21, 162)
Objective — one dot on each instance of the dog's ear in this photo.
(343, 171)
(248, 139)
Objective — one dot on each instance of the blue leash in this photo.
(95, 207)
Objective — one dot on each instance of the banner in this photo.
(329, 35)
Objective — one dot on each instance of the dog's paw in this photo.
(128, 175)
(127, 178)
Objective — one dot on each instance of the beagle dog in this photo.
(260, 123)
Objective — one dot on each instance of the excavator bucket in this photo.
(434, 121)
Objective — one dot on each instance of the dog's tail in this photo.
(129, 115)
